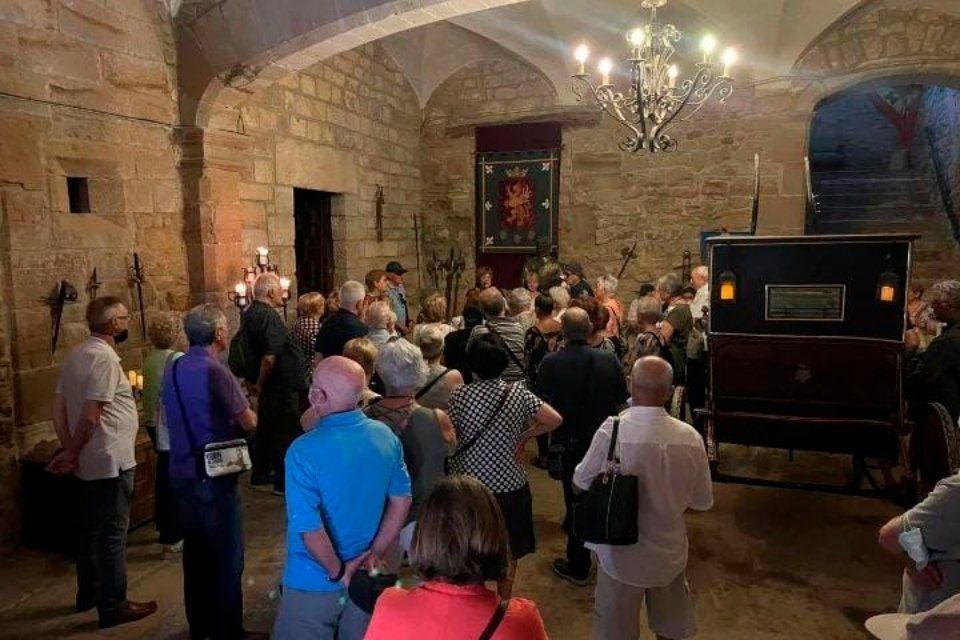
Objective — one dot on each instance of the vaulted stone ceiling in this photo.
(431, 39)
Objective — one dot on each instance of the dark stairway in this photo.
(879, 201)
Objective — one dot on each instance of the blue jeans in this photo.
(101, 556)
(319, 615)
(212, 521)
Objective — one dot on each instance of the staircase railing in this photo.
(943, 184)
(812, 208)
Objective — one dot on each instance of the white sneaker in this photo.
(176, 547)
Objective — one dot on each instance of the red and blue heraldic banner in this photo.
(518, 200)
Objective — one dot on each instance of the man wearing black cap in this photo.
(579, 287)
(397, 295)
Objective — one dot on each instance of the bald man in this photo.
(669, 458)
(348, 494)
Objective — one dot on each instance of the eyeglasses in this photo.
(125, 317)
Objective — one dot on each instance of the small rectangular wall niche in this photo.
(78, 192)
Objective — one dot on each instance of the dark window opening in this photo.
(313, 242)
(78, 191)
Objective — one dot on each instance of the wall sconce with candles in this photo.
(242, 293)
(727, 282)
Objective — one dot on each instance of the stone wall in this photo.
(610, 198)
(342, 126)
(941, 113)
(94, 98)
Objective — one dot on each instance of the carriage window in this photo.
(823, 303)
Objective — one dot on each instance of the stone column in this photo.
(211, 162)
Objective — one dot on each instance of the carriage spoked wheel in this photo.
(677, 401)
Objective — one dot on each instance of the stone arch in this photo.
(881, 36)
(269, 40)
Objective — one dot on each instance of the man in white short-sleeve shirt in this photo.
(95, 417)
(669, 458)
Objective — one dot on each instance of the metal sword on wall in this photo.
(66, 294)
(137, 280)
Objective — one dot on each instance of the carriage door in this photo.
(314, 240)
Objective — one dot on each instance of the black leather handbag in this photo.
(608, 512)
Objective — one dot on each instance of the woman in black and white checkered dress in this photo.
(494, 420)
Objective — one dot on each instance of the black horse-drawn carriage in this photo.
(806, 346)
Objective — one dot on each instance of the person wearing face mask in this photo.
(95, 418)
(353, 466)
(204, 403)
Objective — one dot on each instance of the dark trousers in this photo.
(543, 446)
(278, 424)
(167, 517)
(101, 553)
(578, 556)
(697, 389)
(212, 556)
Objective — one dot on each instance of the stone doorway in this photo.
(884, 158)
(313, 242)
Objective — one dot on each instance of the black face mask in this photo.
(122, 336)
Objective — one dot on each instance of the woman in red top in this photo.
(459, 544)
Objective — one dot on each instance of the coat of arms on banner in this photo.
(517, 194)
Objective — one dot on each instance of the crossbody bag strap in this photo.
(183, 410)
(430, 384)
(486, 425)
(611, 453)
(495, 621)
(513, 356)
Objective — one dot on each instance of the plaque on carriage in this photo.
(812, 303)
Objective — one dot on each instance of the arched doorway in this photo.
(885, 158)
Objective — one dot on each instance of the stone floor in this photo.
(764, 563)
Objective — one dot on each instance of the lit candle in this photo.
(139, 382)
(262, 253)
(636, 38)
(132, 377)
(729, 58)
(285, 287)
(605, 67)
(581, 54)
(707, 44)
(672, 74)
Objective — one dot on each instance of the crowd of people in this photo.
(399, 440)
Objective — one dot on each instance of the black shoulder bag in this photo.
(510, 353)
(608, 513)
(423, 391)
(495, 621)
(480, 432)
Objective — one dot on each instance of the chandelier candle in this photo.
(654, 97)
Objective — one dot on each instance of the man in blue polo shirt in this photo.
(348, 494)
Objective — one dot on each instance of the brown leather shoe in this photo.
(131, 613)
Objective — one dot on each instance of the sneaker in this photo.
(279, 492)
(562, 568)
(176, 547)
(131, 613)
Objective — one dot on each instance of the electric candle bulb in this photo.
(132, 377)
(139, 382)
(263, 252)
(581, 54)
(707, 44)
(636, 38)
(729, 59)
(285, 286)
(672, 74)
(240, 289)
(605, 67)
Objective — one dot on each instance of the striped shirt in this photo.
(512, 334)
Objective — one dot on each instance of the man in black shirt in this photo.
(344, 325)
(586, 386)
(276, 383)
(936, 377)
(579, 287)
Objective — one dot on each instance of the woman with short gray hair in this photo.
(441, 381)
(677, 323)
(426, 434)
(605, 291)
